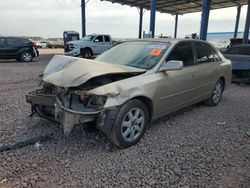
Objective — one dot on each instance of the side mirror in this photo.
(96, 40)
(171, 65)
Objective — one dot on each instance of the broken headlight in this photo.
(87, 101)
(92, 101)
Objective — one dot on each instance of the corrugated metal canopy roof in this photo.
(180, 6)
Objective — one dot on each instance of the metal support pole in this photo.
(246, 30)
(237, 22)
(204, 19)
(176, 26)
(83, 19)
(152, 17)
(140, 22)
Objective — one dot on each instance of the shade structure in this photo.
(180, 6)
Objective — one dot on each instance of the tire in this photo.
(130, 124)
(216, 94)
(87, 53)
(26, 56)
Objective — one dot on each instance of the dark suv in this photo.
(17, 48)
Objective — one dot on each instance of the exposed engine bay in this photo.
(77, 98)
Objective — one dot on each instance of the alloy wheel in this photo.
(27, 56)
(217, 92)
(133, 124)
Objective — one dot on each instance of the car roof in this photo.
(14, 38)
(167, 40)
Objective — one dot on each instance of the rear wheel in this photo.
(26, 56)
(130, 124)
(216, 94)
(87, 53)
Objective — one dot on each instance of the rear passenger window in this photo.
(14, 42)
(107, 38)
(183, 52)
(205, 53)
(216, 56)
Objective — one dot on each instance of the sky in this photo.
(49, 18)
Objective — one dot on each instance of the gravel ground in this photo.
(195, 147)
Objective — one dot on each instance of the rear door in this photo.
(208, 65)
(107, 42)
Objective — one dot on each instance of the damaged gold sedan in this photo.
(130, 85)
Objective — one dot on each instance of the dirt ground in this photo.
(199, 146)
(47, 51)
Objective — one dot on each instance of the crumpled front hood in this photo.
(67, 71)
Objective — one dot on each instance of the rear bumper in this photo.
(50, 107)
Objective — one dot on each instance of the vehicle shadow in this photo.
(10, 61)
(175, 114)
(88, 138)
(241, 84)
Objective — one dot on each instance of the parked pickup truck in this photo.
(89, 45)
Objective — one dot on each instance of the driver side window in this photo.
(182, 52)
(99, 39)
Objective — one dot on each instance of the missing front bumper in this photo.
(50, 107)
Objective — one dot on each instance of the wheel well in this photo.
(87, 48)
(223, 81)
(20, 52)
(148, 103)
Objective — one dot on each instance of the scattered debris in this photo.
(37, 145)
(221, 123)
(248, 133)
(28, 141)
(3, 181)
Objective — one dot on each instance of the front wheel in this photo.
(86, 53)
(26, 56)
(130, 124)
(216, 94)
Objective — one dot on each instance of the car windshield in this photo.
(141, 54)
(88, 37)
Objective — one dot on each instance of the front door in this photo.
(178, 88)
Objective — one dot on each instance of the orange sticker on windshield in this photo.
(155, 52)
